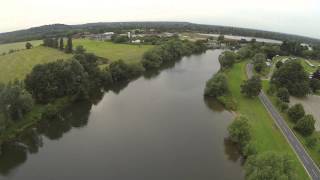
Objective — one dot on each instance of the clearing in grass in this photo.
(113, 52)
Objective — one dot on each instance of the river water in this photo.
(158, 127)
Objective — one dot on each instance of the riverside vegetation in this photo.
(266, 152)
(52, 86)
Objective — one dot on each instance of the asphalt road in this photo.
(311, 168)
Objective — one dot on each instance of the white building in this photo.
(101, 37)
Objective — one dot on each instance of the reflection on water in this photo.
(157, 127)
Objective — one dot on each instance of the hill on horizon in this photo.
(57, 30)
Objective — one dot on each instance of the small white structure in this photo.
(268, 63)
(138, 41)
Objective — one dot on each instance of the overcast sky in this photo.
(290, 16)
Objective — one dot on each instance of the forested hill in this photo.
(61, 29)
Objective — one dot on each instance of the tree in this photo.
(251, 87)
(306, 125)
(221, 38)
(296, 112)
(15, 102)
(240, 131)
(259, 62)
(80, 50)
(245, 52)
(216, 86)
(269, 165)
(283, 95)
(57, 79)
(61, 44)
(314, 84)
(227, 59)
(28, 45)
(69, 45)
(55, 43)
(293, 77)
(279, 64)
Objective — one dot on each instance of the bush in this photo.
(269, 165)
(227, 59)
(50, 113)
(296, 112)
(311, 142)
(228, 102)
(15, 102)
(216, 86)
(121, 71)
(240, 131)
(283, 106)
(251, 87)
(283, 95)
(293, 77)
(306, 125)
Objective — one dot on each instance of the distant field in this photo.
(5, 48)
(17, 65)
(113, 52)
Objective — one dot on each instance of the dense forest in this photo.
(58, 30)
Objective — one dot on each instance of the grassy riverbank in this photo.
(266, 135)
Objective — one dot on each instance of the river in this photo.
(156, 127)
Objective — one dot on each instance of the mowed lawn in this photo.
(266, 135)
(127, 52)
(5, 48)
(17, 65)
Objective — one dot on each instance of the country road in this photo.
(311, 168)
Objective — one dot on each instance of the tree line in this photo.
(58, 43)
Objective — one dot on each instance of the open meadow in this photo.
(5, 48)
(113, 52)
(17, 65)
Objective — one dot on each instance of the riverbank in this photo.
(266, 135)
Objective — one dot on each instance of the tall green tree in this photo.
(296, 112)
(292, 76)
(28, 45)
(306, 125)
(251, 87)
(15, 101)
(216, 86)
(61, 44)
(69, 47)
(240, 131)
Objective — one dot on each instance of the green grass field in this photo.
(113, 52)
(5, 48)
(17, 65)
(266, 135)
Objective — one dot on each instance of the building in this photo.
(100, 37)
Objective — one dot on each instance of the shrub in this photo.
(305, 125)
(296, 112)
(251, 87)
(240, 131)
(227, 59)
(216, 86)
(283, 95)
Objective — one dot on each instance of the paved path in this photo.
(311, 168)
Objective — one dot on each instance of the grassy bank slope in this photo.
(17, 65)
(266, 135)
(5, 48)
(114, 52)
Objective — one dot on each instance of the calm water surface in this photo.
(158, 127)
